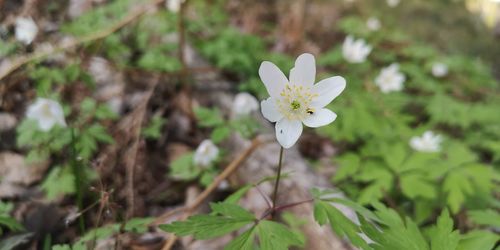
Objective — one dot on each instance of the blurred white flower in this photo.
(393, 3)
(26, 30)
(439, 69)
(373, 24)
(224, 185)
(355, 51)
(244, 104)
(47, 113)
(174, 5)
(206, 153)
(296, 101)
(101, 71)
(390, 79)
(428, 142)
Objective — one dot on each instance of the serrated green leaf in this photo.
(457, 186)
(231, 210)
(324, 212)
(220, 133)
(478, 240)
(487, 217)
(59, 181)
(275, 236)
(415, 185)
(236, 196)
(211, 226)
(443, 236)
(349, 164)
(243, 241)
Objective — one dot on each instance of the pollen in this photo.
(295, 101)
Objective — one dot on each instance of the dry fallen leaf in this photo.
(16, 174)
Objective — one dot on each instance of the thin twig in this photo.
(24, 59)
(188, 210)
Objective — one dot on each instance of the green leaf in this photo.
(153, 129)
(231, 210)
(183, 167)
(443, 236)
(236, 196)
(208, 117)
(415, 185)
(6, 208)
(225, 219)
(394, 234)
(275, 236)
(395, 155)
(349, 164)
(478, 240)
(10, 223)
(220, 133)
(243, 241)
(100, 133)
(457, 186)
(324, 212)
(59, 181)
(487, 217)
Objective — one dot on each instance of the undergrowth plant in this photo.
(403, 198)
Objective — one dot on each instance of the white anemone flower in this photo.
(26, 30)
(174, 5)
(206, 153)
(244, 103)
(47, 113)
(428, 142)
(439, 69)
(355, 51)
(390, 79)
(298, 100)
(373, 24)
(393, 3)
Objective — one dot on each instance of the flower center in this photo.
(46, 112)
(294, 102)
(295, 105)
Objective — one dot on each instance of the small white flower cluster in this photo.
(244, 104)
(390, 79)
(205, 154)
(174, 5)
(393, 3)
(355, 51)
(439, 69)
(428, 142)
(46, 113)
(26, 30)
(373, 24)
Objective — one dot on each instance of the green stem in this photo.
(78, 178)
(277, 183)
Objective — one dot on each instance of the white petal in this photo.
(327, 90)
(288, 132)
(304, 72)
(45, 124)
(320, 118)
(270, 110)
(273, 78)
